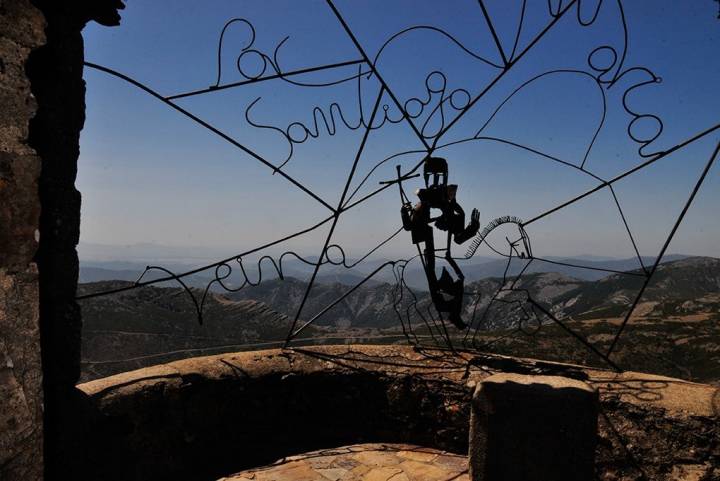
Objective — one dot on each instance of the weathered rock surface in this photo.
(41, 115)
(20, 378)
(21, 30)
(55, 71)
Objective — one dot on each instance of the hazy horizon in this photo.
(129, 253)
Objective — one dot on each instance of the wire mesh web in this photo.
(430, 118)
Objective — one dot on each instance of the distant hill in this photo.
(674, 331)
(98, 274)
(154, 325)
(94, 271)
(685, 286)
(689, 285)
(369, 306)
(509, 308)
(682, 287)
(586, 268)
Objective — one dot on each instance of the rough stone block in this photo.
(533, 428)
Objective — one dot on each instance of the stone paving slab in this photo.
(364, 462)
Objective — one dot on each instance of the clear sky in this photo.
(150, 175)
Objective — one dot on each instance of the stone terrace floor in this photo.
(364, 462)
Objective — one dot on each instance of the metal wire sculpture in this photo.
(447, 294)
(429, 118)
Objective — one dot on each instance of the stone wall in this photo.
(42, 111)
(55, 70)
(21, 31)
(203, 418)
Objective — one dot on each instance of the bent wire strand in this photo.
(605, 77)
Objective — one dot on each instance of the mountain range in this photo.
(585, 268)
(154, 325)
(678, 287)
(157, 324)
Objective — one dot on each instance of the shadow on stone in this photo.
(533, 428)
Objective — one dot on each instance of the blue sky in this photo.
(150, 175)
